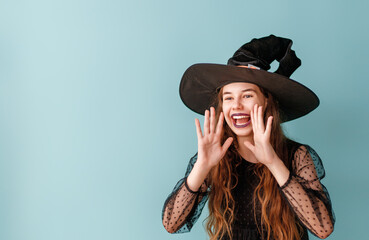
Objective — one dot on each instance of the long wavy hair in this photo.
(277, 219)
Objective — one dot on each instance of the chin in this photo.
(242, 132)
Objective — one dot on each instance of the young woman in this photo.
(260, 184)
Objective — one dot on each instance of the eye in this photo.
(247, 96)
(227, 98)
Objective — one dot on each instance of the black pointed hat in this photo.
(201, 82)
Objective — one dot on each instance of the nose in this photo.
(237, 104)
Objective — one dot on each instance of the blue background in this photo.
(93, 134)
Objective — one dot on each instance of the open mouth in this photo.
(240, 120)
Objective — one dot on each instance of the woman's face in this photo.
(237, 102)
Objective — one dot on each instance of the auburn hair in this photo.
(277, 219)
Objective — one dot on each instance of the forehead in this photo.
(240, 86)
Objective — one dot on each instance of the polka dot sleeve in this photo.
(183, 206)
(304, 192)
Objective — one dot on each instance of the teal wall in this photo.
(93, 134)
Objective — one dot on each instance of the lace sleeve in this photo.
(306, 195)
(183, 207)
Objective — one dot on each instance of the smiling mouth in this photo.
(240, 120)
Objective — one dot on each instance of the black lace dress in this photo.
(307, 197)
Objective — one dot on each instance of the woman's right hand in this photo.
(210, 149)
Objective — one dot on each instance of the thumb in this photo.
(249, 145)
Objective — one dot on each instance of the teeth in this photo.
(240, 117)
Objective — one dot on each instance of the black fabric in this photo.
(183, 207)
(303, 191)
(201, 82)
(245, 226)
(263, 51)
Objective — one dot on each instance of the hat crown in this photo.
(263, 51)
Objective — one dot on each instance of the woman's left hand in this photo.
(262, 149)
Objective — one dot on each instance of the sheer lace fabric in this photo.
(308, 198)
(306, 195)
(183, 206)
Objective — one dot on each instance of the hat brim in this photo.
(200, 84)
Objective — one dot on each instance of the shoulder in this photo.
(293, 145)
(303, 155)
(298, 148)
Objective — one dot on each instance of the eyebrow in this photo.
(245, 90)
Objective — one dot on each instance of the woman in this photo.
(260, 184)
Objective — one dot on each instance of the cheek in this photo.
(261, 100)
(256, 101)
(228, 120)
(224, 107)
(226, 110)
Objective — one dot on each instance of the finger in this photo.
(198, 128)
(260, 118)
(256, 114)
(220, 123)
(206, 122)
(226, 145)
(269, 126)
(212, 119)
(254, 118)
